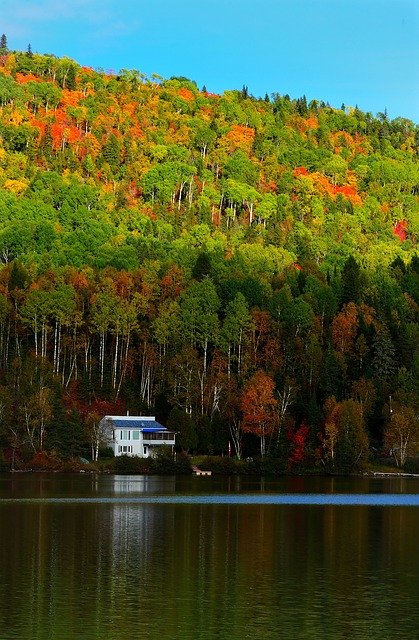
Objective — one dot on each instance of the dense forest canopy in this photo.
(246, 269)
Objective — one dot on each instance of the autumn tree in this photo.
(95, 433)
(401, 433)
(259, 407)
(344, 438)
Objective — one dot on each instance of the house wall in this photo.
(128, 439)
(129, 442)
(133, 442)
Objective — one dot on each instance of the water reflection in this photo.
(204, 569)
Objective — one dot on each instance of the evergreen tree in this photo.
(351, 281)
(203, 267)
(3, 44)
(384, 355)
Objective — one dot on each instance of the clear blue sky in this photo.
(363, 52)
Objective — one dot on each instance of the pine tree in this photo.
(3, 43)
(203, 267)
(384, 360)
(351, 281)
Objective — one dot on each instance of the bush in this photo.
(163, 464)
(412, 465)
(130, 464)
(223, 465)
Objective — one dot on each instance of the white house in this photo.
(136, 435)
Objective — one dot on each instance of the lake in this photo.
(86, 557)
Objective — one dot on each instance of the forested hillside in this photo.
(245, 269)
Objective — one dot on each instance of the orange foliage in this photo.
(173, 283)
(349, 192)
(300, 171)
(259, 405)
(302, 124)
(267, 186)
(240, 136)
(206, 113)
(123, 283)
(23, 78)
(38, 124)
(186, 94)
(78, 280)
(344, 328)
(312, 122)
(325, 187)
(71, 98)
(354, 143)
(367, 313)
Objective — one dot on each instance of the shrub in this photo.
(412, 465)
(130, 464)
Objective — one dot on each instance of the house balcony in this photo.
(159, 438)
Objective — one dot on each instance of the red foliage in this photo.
(400, 229)
(44, 462)
(207, 94)
(298, 439)
(73, 402)
(300, 171)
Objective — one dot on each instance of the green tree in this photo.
(183, 424)
(344, 439)
(351, 281)
(383, 355)
(199, 313)
(233, 335)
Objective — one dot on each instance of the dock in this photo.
(200, 472)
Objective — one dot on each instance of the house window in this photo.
(125, 435)
(145, 451)
(135, 435)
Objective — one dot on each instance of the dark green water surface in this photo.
(133, 557)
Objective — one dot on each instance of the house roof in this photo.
(144, 423)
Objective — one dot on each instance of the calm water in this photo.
(126, 558)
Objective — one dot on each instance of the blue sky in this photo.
(356, 52)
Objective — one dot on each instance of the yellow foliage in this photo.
(16, 118)
(16, 186)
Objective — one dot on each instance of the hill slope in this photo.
(164, 248)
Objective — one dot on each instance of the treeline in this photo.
(313, 365)
(246, 269)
